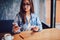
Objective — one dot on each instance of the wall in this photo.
(8, 9)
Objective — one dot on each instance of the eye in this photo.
(26, 4)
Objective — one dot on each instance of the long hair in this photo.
(22, 13)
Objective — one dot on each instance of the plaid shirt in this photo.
(34, 21)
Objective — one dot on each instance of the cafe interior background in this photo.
(47, 10)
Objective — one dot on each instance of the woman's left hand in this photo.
(35, 29)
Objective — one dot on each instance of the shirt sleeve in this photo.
(15, 23)
(38, 23)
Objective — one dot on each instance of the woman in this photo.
(26, 19)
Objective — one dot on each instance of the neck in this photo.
(28, 13)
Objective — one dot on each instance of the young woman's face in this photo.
(26, 5)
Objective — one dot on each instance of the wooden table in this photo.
(45, 34)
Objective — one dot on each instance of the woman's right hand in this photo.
(16, 29)
(34, 28)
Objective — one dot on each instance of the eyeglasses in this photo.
(26, 4)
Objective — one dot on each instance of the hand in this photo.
(16, 28)
(35, 29)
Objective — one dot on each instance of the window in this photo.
(58, 14)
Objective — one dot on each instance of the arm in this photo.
(38, 24)
(16, 27)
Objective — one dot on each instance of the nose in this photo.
(25, 6)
